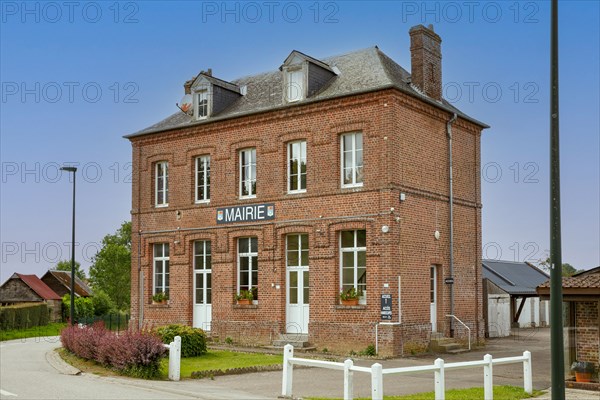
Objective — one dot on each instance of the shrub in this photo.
(193, 340)
(24, 316)
(131, 353)
(369, 351)
(102, 304)
(84, 307)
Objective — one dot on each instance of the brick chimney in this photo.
(187, 86)
(426, 60)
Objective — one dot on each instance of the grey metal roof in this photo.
(515, 278)
(360, 72)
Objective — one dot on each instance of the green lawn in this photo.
(222, 360)
(500, 393)
(48, 330)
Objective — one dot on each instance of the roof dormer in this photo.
(303, 76)
(211, 95)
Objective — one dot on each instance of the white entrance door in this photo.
(297, 284)
(202, 285)
(433, 298)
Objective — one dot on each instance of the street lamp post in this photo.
(72, 308)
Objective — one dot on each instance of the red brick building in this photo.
(322, 176)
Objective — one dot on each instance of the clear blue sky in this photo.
(76, 78)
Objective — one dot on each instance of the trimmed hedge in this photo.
(193, 340)
(131, 353)
(24, 316)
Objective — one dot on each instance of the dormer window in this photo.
(295, 85)
(202, 104)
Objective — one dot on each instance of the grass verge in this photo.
(222, 360)
(52, 329)
(500, 393)
(84, 365)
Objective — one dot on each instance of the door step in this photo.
(446, 345)
(298, 340)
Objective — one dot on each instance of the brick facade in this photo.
(587, 326)
(405, 151)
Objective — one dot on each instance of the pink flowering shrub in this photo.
(131, 353)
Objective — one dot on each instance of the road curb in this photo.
(60, 365)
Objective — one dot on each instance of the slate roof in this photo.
(515, 278)
(38, 286)
(64, 277)
(361, 71)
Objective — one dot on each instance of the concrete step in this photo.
(295, 343)
(298, 340)
(458, 351)
(446, 345)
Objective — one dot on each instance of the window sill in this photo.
(202, 202)
(245, 306)
(352, 186)
(296, 192)
(247, 197)
(358, 307)
(161, 205)
(155, 305)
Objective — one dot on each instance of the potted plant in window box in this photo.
(160, 298)
(583, 370)
(349, 297)
(245, 297)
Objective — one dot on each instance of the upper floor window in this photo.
(352, 159)
(297, 167)
(161, 182)
(248, 173)
(202, 179)
(161, 268)
(295, 85)
(353, 261)
(202, 104)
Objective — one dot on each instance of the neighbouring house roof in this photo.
(64, 277)
(39, 287)
(582, 283)
(360, 71)
(515, 278)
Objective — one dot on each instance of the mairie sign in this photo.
(249, 213)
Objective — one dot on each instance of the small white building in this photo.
(510, 297)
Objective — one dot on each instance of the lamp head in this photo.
(69, 169)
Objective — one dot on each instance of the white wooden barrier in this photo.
(174, 358)
(377, 372)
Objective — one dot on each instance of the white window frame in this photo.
(302, 149)
(201, 95)
(165, 184)
(295, 72)
(249, 254)
(354, 250)
(252, 179)
(164, 260)
(203, 161)
(352, 154)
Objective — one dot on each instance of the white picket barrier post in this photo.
(488, 380)
(348, 380)
(288, 370)
(376, 382)
(175, 359)
(527, 373)
(440, 384)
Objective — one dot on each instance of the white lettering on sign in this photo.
(249, 213)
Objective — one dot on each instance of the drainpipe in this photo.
(451, 203)
(139, 247)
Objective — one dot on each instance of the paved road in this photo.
(25, 373)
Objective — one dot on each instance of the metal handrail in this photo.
(463, 324)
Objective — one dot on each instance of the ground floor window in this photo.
(161, 268)
(248, 265)
(353, 261)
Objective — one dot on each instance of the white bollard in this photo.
(175, 359)
(440, 384)
(376, 382)
(288, 370)
(348, 378)
(527, 373)
(488, 382)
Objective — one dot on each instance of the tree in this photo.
(111, 269)
(567, 269)
(65, 265)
